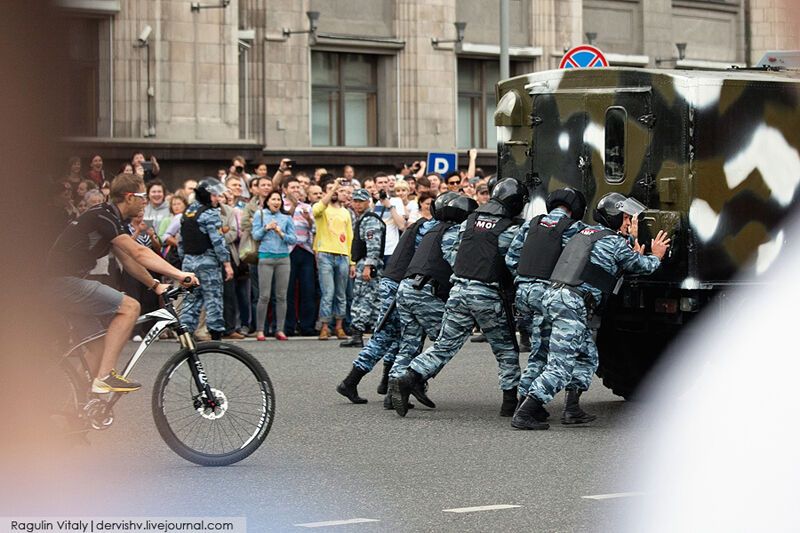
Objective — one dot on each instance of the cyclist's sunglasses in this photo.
(142, 195)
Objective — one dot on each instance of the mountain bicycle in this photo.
(213, 402)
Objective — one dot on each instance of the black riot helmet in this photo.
(610, 208)
(206, 188)
(458, 209)
(570, 198)
(491, 183)
(511, 194)
(437, 207)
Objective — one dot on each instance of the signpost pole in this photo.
(504, 61)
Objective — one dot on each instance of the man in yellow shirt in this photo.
(332, 247)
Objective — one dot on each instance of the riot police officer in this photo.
(422, 295)
(385, 342)
(587, 271)
(480, 279)
(532, 255)
(203, 249)
(369, 241)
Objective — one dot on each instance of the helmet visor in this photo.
(631, 206)
(216, 188)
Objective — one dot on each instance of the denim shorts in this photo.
(88, 305)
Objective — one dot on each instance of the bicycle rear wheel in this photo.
(243, 393)
(65, 397)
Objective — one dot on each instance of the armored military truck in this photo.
(714, 155)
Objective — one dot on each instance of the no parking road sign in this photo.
(442, 162)
(583, 56)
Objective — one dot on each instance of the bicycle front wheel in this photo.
(244, 398)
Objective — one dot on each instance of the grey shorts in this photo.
(88, 305)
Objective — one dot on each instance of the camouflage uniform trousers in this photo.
(366, 300)
(420, 314)
(471, 302)
(386, 342)
(529, 305)
(572, 358)
(208, 294)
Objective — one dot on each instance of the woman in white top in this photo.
(402, 190)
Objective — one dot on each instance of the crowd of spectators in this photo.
(297, 280)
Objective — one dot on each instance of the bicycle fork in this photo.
(196, 367)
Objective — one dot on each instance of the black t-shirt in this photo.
(85, 240)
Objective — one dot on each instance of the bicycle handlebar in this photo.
(174, 292)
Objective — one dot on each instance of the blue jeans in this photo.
(333, 273)
(302, 281)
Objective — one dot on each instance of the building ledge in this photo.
(492, 50)
(174, 149)
(702, 64)
(627, 60)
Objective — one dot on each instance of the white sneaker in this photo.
(137, 338)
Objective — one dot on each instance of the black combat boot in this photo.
(383, 386)
(526, 415)
(355, 341)
(541, 413)
(524, 341)
(420, 392)
(215, 335)
(348, 386)
(400, 389)
(387, 403)
(509, 404)
(573, 414)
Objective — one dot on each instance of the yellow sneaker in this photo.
(114, 383)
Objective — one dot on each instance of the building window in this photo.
(84, 76)
(88, 83)
(344, 99)
(476, 102)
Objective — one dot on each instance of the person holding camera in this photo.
(369, 238)
(237, 171)
(391, 211)
(284, 169)
(151, 168)
(332, 246)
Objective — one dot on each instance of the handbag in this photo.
(248, 247)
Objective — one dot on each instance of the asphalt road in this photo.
(326, 459)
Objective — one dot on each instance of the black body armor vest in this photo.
(542, 247)
(358, 250)
(428, 261)
(194, 241)
(478, 257)
(574, 266)
(398, 263)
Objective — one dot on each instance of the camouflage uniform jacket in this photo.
(370, 231)
(615, 255)
(210, 223)
(515, 250)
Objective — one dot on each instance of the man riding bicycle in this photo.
(91, 305)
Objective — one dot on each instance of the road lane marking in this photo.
(337, 522)
(613, 495)
(478, 509)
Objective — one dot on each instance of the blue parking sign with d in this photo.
(442, 162)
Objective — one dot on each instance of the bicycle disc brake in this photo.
(209, 412)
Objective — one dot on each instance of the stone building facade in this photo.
(368, 86)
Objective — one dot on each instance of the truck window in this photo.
(615, 144)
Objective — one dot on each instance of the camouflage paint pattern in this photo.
(713, 155)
